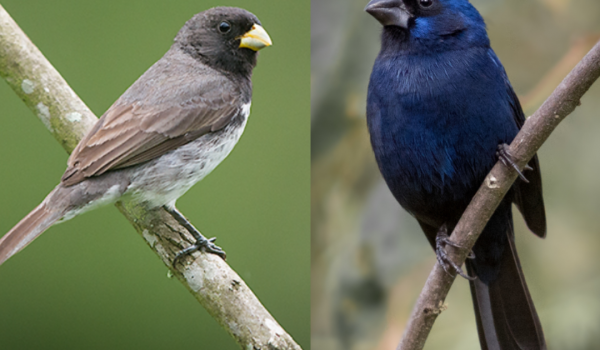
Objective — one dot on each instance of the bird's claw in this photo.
(471, 255)
(206, 245)
(442, 239)
(212, 248)
(202, 243)
(506, 158)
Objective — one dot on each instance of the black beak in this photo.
(389, 12)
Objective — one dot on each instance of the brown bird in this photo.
(169, 130)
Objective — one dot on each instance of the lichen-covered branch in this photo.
(212, 282)
(534, 133)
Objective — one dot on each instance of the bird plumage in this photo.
(142, 125)
(439, 104)
(169, 130)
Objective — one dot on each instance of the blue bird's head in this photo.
(435, 24)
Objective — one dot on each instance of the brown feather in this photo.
(28, 229)
(132, 133)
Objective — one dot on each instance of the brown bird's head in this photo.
(225, 38)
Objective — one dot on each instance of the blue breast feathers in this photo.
(436, 121)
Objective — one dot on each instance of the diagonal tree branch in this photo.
(534, 133)
(210, 280)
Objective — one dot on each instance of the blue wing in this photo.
(527, 196)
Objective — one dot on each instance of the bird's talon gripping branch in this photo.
(206, 246)
(209, 247)
(507, 159)
(202, 243)
(441, 241)
(183, 253)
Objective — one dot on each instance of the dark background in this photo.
(92, 283)
(370, 258)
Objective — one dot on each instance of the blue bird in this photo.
(440, 112)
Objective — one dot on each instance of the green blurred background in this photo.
(370, 259)
(92, 283)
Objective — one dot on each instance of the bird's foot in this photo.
(203, 244)
(506, 158)
(441, 241)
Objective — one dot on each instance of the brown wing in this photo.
(132, 133)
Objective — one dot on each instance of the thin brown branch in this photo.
(212, 282)
(565, 98)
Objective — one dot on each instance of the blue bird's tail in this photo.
(506, 316)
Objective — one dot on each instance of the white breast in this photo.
(163, 180)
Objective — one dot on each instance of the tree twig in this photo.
(565, 98)
(212, 282)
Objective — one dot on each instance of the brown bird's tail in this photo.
(30, 227)
(506, 316)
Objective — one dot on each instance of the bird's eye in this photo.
(224, 27)
(426, 3)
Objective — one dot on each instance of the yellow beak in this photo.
(256, 39)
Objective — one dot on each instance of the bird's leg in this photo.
(441, 241)
(504, 155)
(202, 243)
